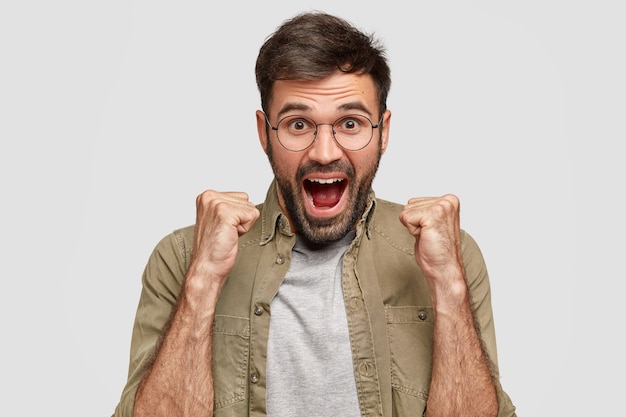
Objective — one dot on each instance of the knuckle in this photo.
(448, 202)
(208, 200)
(205, 196)
(452, 199)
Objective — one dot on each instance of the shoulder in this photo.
(181, 240)
(174, 248)
(385, 225)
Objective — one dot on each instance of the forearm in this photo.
(179, 382)
(461, 381)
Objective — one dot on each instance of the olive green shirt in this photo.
(388, 307)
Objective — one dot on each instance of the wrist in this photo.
(200, 292)
(449, 293)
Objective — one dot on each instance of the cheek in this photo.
(286, 164)
(363, 164)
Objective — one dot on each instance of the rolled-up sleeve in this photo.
(161, 284)
(480, 293)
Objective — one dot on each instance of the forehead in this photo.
(339, 92)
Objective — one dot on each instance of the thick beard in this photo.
(328, 229)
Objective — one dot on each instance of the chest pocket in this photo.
(410, 330)
(231, 341)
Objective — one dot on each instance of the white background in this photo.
(115, 114)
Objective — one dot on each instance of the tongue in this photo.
(325, 195)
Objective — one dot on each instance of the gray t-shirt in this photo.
(309, 360)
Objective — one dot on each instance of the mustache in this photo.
(317, 168)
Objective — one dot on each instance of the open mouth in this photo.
(324, 193)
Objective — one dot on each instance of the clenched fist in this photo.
(435, 223)
(221, 217)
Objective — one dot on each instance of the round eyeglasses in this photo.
(352, 132)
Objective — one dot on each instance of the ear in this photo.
(261, 127)
(386, 120)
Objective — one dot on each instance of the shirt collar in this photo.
(272, 217)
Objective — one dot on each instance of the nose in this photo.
(325, 149)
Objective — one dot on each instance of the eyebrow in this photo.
(289, 107)
(353, 105)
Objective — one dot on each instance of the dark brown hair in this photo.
(312, 46)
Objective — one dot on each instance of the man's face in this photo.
(324, 188)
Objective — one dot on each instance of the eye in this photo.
(350, 124)
(297, 125)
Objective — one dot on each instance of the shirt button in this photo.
(422, 315)
(367, 369)
(280, 260)
(354, 303)
(258, 311)
(254, 377)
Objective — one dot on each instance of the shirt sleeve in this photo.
(161, 284)
(480, 297)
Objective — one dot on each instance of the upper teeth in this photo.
(325, 181)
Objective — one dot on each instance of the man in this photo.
(323, 300)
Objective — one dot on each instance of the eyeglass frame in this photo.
(374, 126)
